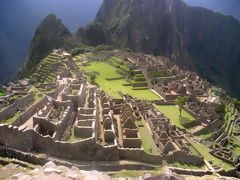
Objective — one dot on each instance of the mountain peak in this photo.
(50, 34)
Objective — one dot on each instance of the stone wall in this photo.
(14, 108)
(62, 125)
(192, 172)
(30, 112)
(55, 94)
(29, 140)
(167, 97)
(132, 142)
(139, 155)
(210, 127)
(183, 157)
(27, 157)
(191, 112)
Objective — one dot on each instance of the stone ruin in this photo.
(130, 134)
(168, 138)
(202, 112)
(106, 120)
(86, 125)
(16, 99)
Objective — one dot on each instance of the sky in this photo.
(74, 13)
(20, 18)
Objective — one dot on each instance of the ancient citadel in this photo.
(69, 116)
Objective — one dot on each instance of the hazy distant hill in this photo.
(19, 20)
(228, 7)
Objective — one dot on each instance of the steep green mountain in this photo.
(192, 37)
(50, 34)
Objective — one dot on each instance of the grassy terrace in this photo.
(127, 173)
(148, 143)
(45, 69)
(204, 151)
(172, 113)
(113, 87)
(188, 166)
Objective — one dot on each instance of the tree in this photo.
(92, 77)
(180, 102)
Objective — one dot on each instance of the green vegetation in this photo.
(47, 70)
(205, 135)
(171, 112)
(114, 87)
(12, 119)
(147, 141)
(127, 173)
(181, 101)
(193, 150)
(2, 92)
(188, 166)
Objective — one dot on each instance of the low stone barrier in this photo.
(27, 157)
(139, 155)
(192, 172)
(30, 140)
(183, 157)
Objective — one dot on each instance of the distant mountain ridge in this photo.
(229, 7)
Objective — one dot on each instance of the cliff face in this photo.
(192, 37)
(50, 34)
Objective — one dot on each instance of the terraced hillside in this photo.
(48, 69)
(135, 76)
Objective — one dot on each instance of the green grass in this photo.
(205, 135)
(236, 151)
(114, 87)
(2, 93)
(172, 113)
(147, 140)
(127, 173)
(193, 150)
(188, 166)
